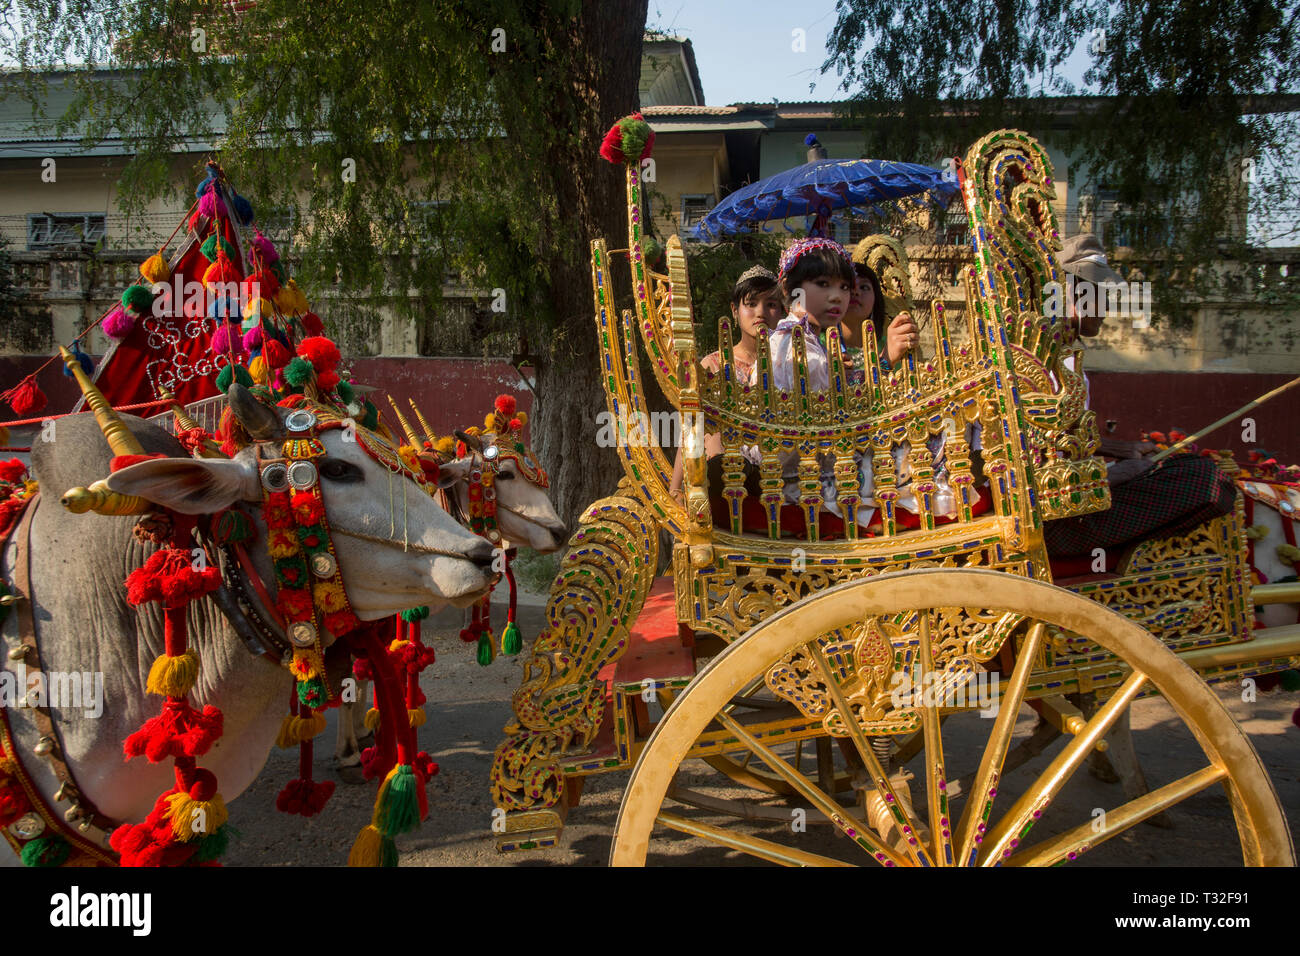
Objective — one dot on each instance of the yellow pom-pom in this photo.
(1257, 531)
(474, 430)
(154, 269)
(305, 728)
(445, 446)
(173, 676)
(306, 664)
(1288, 553)
(367, 849)
(196, 818)
(417, 716)
(257, 369)
(290, 299)
(372, 718)
(523, 418)
(490, 421)
(257, 309)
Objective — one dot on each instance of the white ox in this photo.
(84, 626)
(1274, 510)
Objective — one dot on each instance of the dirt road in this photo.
(468, 706)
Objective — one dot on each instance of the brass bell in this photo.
(73, 813)
(63, 793)
(44, 746)
(7, 599)
(18, 653)
(85, 825)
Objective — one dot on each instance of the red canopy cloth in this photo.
(170, 350)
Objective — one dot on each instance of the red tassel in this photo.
(179, 731)
(25, 398)
(304, 797)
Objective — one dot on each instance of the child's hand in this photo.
(901, 335)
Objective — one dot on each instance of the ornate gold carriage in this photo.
(779, 626)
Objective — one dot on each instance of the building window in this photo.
(694, 208)
(51, 230)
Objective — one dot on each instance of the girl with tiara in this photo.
(755, 305)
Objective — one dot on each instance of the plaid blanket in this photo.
(1172, 498)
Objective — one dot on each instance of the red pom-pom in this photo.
(275, 354)
(424, 765)
(118, 462)
(179, 731)
(515, 424)
(311, 324)
(117, 324)
(12, 470)
(169, 576)
(611, 147)
(304, 797)
(506, 405)
(341, 622)
(361, 669)
(327, 380)
(25, 398)
(261, 285)
(321, 352)
(223, 270)
(307, 507)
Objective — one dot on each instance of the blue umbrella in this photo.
(820, 187)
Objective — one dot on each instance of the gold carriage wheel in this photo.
(1232, 760)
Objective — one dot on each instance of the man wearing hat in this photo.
(1147, 501)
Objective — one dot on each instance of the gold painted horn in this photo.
(429, 435)
(115, 431)
(411, 436)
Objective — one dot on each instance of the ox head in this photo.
(524, 512)
(396, 547)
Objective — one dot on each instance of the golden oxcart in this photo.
(762, 641)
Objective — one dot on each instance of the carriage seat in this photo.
(830, 527)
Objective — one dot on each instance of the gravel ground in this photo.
(468, 706)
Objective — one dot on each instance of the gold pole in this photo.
(411, 436)
(1225, 419)
(115, 431)
(428, 432)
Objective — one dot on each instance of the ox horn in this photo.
(471, 441)
(260, 421)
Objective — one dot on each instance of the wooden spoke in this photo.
(936, 776)
(1086, 836)
(848, 824)
(1011, 829)
(979, 800)
(877, 772)
(754, 846)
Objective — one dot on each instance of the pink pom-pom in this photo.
(253, 338)
(261, 250)
(227, 339)
(210, 204)
(117, 324)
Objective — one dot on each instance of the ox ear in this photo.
(190, 486)
(453, 472)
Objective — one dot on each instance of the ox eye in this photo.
(335, 469)
(505, 475)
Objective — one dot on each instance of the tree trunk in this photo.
(592, 204)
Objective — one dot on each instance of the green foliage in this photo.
(1177, 117)
(713, 273)
(533, 571)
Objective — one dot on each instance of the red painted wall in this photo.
(455, 393)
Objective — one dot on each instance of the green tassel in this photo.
(397, 809)
(1291, 680)
(512, 642)
(388, 852)
(213, 846)
(485, 654)
(345, 392)
(370, 415)
(414, 614)
(46, 851)
(232, 526)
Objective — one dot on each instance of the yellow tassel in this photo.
(397, 644)
(257, 369)
(173, 676)
(305, 728)
(367, 847)
(417, 716)
(490, 421)
(284, 739)
(1257, 531)
(446, 446)
(154, 269)
(196, 818)
(1288, 553)
(372, 718)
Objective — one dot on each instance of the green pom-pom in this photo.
(411, 615)
(233, 373)
(635, 134)
(213, 846)
(138, 299)
(387, 852)
(232, 527)
(1291, 680)
(345, 392)
(512, 642)
(299, 372)
(46, 851)
(311, 692)
(653, 250)
(212, 244)
(485, 654)
(397, 810)
(370, 416)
